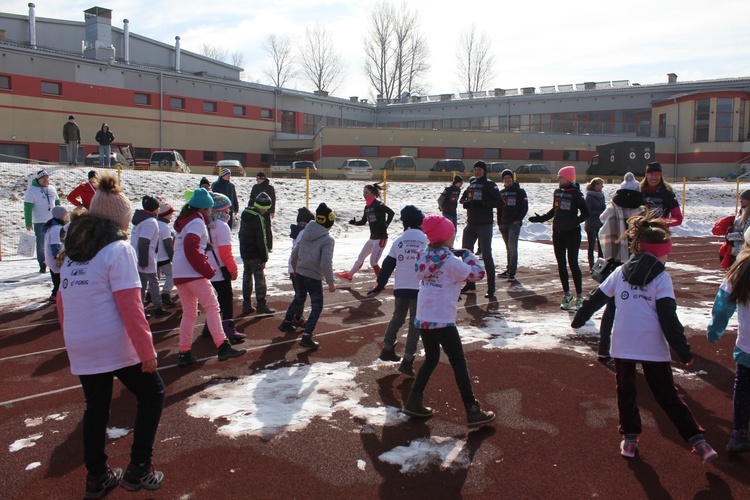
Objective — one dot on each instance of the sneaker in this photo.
(703, 450)
(185, 358)
(97, 487)
(287, 327)
(739, 442)
(629, 446)
(263, 308)
(136, 478)
(503, 275)
(226, 351)
(389, 355)
(308, 342)
(299, 322)
(511, 278)
(167, 300)
(247, 307)
(344, 275)
(160, 312)
(579, 303)
(567, 300)
(469, 287)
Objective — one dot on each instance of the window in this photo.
(570, 155)
(454, 152)
(209, 156)
(142, 99)
(4, 82)
(142, 153)
(534, 154)
(491, 154)
(176, 103)
(265, 159)
(365, 151)
(240, 157)
(209, 107)
(702, 115)
(663, 125)
(724, 119)
(51, 88)
(741, 134)
(289, 122)
(239, 110)
(266, 114)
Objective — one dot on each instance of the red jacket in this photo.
(81, 196)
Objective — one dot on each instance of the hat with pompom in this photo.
(221, 203)
(201, 199)
(629, 182)
(109, 202)
(437, 228)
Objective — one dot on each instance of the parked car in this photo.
(356, 169)
(304, 165)
(234, 166)
(401, 163)
(121, 154)
(533, 168)
(170, 161)
(495, 167)
(448, 165)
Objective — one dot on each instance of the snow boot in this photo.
(264, 309)
(247, 307)
(407, 365)
(167, 300)
(185, 358)
(308, 342)
(469, 287)
(414, 408)
(389, 354)
(225, 351)
(231, 332)
(287, 327)
(476, 416)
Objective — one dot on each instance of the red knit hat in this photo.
(437, 228)
(568, 173)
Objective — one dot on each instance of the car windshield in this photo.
(358, 163)
(403, 162)
(161, 156)
(304, 164)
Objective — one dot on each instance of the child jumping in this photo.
(734, 293)
(441, 275)
(646, 325)
(379, 217)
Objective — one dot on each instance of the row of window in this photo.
(724, 123)
(487, 153)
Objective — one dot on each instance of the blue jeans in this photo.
(400, 308)
(39, 235)
(510, 233)
(104, 155)
(314, 288)
(149, 391)
(453, 218)
(450, 340)
(72, 152)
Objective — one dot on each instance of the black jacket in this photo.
(448, 199)
(480, 199)
(228, 189)
(379, 216)
(567, 204)
(253, 236)
(515, 205)
(104, 138)
(265, 187)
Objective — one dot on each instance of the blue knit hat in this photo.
(201, 199)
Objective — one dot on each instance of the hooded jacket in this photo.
(104, 137)
(313, 256)
(646, 322)
(442, 274)
(514, 206)
(480, 199)
(625, 204)
(252, 235)
(265, 187)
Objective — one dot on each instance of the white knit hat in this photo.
(629, 182)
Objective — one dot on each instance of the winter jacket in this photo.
(38, 203)
(663, 202)
(401, 258)
(253, 235)
(379, 216)
(228, 189)
(721, 313)
(448, 199)
(480, 199)
(71, 132)
(514, 206)
(190, 261)
(442, 274)
(595, 204)
(313, 256)
(145, 239)
(646, 323)
(265, 187)
(82, 195)
(567, 204)
(294, 232)
(625, 204)
(736, 234)
(54, 235)
(104, 137)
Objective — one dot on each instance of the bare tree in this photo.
(283, 68)
(319, 62)
(237, 58)
(476, 63)
(214, 52)
(395, 52)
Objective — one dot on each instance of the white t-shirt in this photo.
(149, 229)
(743, 317)
(221, 236)
(43, 199)
(52, 237)
(437, 302)
(181, 268)
(637, 334)
(404, 249)
(95, 335)
(164, 234)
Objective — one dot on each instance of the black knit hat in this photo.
(745, 195)
(150, 203)
(204, 182)
(324, 216)
(481, 165)
(411, 217)
(654, 166)
(506, 172)
(304, 215)
(457, 179)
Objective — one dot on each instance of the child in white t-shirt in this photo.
(646, 326)
(54, 234)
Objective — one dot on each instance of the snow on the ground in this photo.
(285, 399)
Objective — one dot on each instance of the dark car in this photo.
(448, 165)
(495, 167)
(533, 168)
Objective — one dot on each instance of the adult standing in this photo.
(105, 138)
(263, 185)
(595, 204)
(82, 195)
(510, 215)
(480, 200)
(225, 186)
(660, 196)
(38, 203)
(72, 137)
(118, 345)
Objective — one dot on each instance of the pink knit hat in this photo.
(568, 173)
(437, 228)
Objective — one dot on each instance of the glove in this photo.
(353, 221)
(535, 218)
(459, 252)
(376, 290)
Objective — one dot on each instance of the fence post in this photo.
(684, 186)
(385, 185)
(307, 187)
(737, 197)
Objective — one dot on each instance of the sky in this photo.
(549, 42)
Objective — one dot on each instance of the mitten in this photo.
(376, 290)
(353, 221)
(535, 218)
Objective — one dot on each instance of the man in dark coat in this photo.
(225, 186)
(264, 186)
